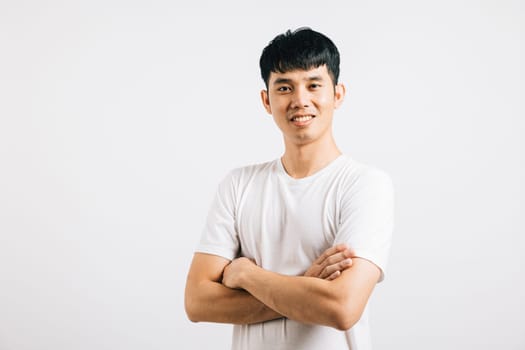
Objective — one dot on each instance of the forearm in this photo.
(209, 301)
(304, 299)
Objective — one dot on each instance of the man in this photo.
(293, 248)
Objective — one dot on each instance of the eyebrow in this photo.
(288, 81)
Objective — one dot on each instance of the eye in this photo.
(315, 86)
(284, 89)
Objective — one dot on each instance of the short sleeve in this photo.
(219, 236)
(367, 217)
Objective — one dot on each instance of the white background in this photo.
(119, 118)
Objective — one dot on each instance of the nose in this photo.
(300, 98)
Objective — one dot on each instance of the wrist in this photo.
(247, 271)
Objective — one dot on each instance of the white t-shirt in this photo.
(284, 224)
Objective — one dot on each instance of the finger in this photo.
(339, 266)
(337, 257)
(329, 252)
(333, 276)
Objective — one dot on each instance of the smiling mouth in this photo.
(302, 118)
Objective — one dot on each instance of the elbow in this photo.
(345, 318)
(192, 316)
(192, 311)
(345, 323)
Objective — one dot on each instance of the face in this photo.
(302, 103)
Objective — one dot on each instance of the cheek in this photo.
(280, 122)
(326, 100)
(278, 106)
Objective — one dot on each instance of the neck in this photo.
(304, 160)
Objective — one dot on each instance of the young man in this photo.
(293, 248)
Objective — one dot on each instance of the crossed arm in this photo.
(239, 292)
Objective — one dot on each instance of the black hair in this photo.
(304, 49)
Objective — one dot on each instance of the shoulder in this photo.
(254, 168)
(247, 173)
(360, 176)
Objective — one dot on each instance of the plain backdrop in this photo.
(119, 118)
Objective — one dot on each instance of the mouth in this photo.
(301, 119)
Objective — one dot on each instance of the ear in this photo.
(266, 101)
(340, 91)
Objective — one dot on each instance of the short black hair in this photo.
(304, 49)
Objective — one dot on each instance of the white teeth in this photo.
(302, 118)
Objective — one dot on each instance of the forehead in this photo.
(300, 75)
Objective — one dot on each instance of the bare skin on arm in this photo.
(207, 299)
(331, 263)
(337, 303)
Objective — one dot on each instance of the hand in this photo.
(331, 263)
(233, 272)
